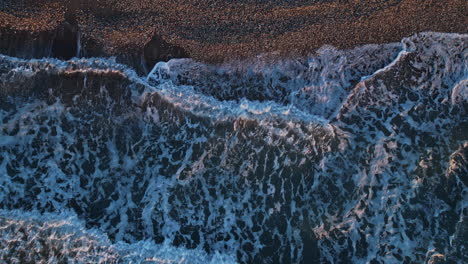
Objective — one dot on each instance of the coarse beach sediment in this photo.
(217, 31)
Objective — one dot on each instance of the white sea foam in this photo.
(56, 237)
(354, 154)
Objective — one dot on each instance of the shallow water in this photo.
(348, 156)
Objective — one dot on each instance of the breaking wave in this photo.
(31, 237)
(347, 156)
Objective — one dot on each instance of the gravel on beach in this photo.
(215, 31)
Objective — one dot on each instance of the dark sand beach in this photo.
(264, 146)
(215, 31)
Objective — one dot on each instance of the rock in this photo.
(59, 42)
(66, 41)
(26, 44)
(160, 50)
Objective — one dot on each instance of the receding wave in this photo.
(31, 237)
(347, 156)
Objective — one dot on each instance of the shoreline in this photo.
(140, 32)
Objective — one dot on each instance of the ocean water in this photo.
(348, 156)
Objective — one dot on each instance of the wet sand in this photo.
(214, 31)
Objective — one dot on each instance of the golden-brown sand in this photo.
(218, 30)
